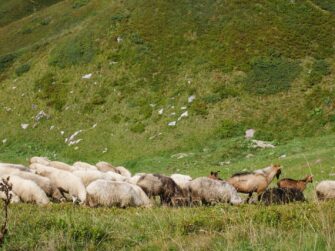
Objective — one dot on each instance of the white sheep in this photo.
(14, 166)
(83, 166)
(181, 180)
(64, 180)
(27, 190)
(123, 171)
(115, 193)
(105, 166)
(134, 179)
(213, 191)
(40, 160)
(61, 166)
(116, 176)
(14, 198)
(325, 190)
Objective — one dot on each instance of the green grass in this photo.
(248, 227)
(267, 65)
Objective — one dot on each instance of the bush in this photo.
(79, 3)
(75, 51)
(271, 75)
(48, 89)
(230, 129)
(138, 127)
(320, 68)
(22, 69)
(6, 61)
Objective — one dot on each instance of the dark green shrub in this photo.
(74, 51)
(137, 127)
(271, 75)
(230, 129)
(22, 69)
(328, 5)
(320, 68)
(49, 89)
(79, 3)
(199, 107)
(220, 93)
(6, 61)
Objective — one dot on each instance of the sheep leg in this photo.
(249, 197)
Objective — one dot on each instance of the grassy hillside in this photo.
(266, 65)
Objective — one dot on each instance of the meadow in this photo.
(115, 73)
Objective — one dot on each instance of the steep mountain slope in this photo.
(267, 65)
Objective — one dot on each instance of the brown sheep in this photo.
(297, 184)
(159, 185)
(281, 196)
(214, 175)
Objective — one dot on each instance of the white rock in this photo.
(183, 115)
(52, 127)
(262, 144)
(152, 105)
(191, 98)
(249, 133)
(183, 108)
(87, 76)
(62, 132)
(4, 141)
(119, 39)
(94, 126)
(105, 150)
(160, 112)
(173, 113)
(181, 155)
(172, 123)
(282, 156)
(40, 116)
(24, 126)
(74, 135)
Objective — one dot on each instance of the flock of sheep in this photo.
(105, 185)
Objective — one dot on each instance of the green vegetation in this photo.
(271, 75)
(267, 65)
(65, 227)
(22, 69)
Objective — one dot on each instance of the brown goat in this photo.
(256, 181)
(297, 184)
(214, 175)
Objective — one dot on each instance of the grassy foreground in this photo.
(307, 226)
(301, 226)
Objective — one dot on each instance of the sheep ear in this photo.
(211, 173)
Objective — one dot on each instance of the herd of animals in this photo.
(103, 184)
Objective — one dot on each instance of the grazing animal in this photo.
(115, 193)
(65, 181)
(210, 191)
(256, 181)
(325, 190)
(214, 175)
(83, 166)
(297, 184)
(27, 190)
(61, 166)
(159, 185)
(281, 196)
(40, 160)
(14, 198)
(14, 166)
(134, 179)
(89, 176)
(123, 171)
(105, 166)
